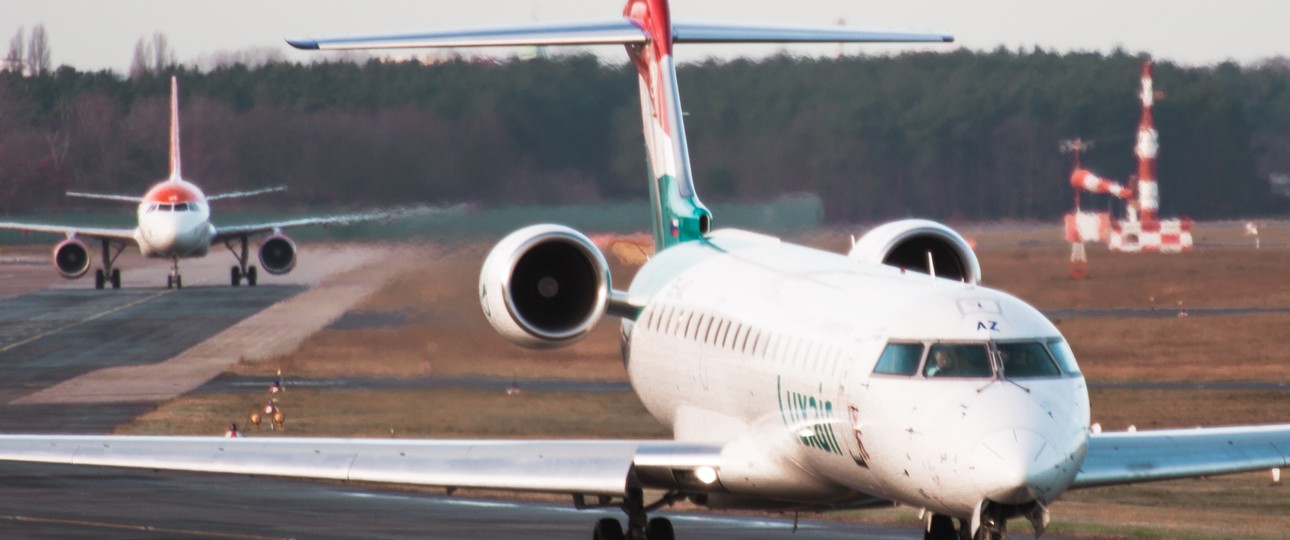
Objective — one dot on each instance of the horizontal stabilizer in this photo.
(614, 31)
(106, 197)
(734, 33)
(251, 193)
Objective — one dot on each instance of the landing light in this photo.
(707, 475)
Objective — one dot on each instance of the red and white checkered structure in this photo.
(1156, 236)
(1141, 230)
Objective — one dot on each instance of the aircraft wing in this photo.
(613, 31)
(588, 467)
(106, 197)
(71, 230)
(1132, 457)
(240, 194)
(225, 233)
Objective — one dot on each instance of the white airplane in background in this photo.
(174, 223)
(792, 378)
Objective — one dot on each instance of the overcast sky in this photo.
(97, 34)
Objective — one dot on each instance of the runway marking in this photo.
(129, 527)
(83, 321)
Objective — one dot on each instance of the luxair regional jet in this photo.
(174, 223)
(793, 379)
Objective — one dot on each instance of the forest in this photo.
(966, 136)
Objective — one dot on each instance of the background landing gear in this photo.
(102, 279)
(236, 275)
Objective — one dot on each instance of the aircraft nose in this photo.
(1015, 466)
(161, 238)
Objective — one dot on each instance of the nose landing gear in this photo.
(174, 280)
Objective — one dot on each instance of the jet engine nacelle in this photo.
(277, 254)
(544, 286)
(920, 245)
(72, 258)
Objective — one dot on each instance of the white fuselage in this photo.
(770, 349)
(174, 221)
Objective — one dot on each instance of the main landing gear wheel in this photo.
(608, 529)
(236, 275)
(639, 525)
(108, 273)
(242, 270)
(942, 528)
(660, 529)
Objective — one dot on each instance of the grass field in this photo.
(442, 333)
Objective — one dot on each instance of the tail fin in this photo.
(175, 173)
(678, 215)
(648, 33)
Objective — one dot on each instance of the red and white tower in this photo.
(1146, 149)
(1141, 229)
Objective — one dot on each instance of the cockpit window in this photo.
(152, 208)
(958, 360)
(1026, 359)
(181, 207)
(1065, 358)
(900, 359)
(167, 208)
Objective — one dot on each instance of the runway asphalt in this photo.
(44, 501)
(50, 336)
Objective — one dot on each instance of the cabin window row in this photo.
(733, 335)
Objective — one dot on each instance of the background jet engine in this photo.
(544, 286)
(72, 258)
(920, 245)
(277, 254)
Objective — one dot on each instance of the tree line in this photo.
(961, 136)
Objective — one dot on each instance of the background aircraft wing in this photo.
(70, 230)
(1129, 457)
(229, 232)
(106, 197)
(240, 194)
(589, 467)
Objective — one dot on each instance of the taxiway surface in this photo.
(45, 501)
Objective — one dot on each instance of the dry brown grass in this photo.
(1118, 408)
(1219, 277)
(442, 413)
(1225, 348)
(447, 335)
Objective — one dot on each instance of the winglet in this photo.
(175, 173)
